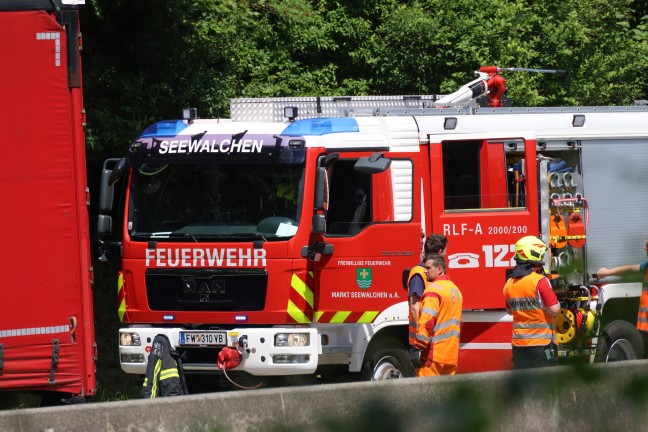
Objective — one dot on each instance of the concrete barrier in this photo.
(604, 397)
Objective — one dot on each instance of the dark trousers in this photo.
(534, 356)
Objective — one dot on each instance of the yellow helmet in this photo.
(530, 249)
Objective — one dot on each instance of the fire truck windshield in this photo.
(215, 201)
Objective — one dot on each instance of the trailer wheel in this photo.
(388, 359)
(619, 340)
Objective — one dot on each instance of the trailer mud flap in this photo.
(55, 359)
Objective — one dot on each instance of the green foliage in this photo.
(145, 60)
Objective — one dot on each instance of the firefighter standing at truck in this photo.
(435, 350)
(417, 279)
(642, 316)
(533, 304)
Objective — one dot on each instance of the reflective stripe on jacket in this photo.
(532, 326)
(163, 372)
(642, 317)
(418, 270)
(439, 326)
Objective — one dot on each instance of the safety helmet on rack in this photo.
(530, 249)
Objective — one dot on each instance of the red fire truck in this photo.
(46, 319)
(284, 233)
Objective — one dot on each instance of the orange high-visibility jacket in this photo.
(418, 270)
(532, 326)
(642, 317)
(439, 325)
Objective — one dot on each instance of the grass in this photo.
(112, 382)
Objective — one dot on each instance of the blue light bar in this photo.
(164, 128)
(321, 126)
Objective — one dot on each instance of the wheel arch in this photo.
(620, 309)
(392, 322)
(397, 332)
(619, 301)
(380, 337)
(387, 356)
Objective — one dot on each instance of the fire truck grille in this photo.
(206, 290)
(199, 355)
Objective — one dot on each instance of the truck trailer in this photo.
(47, 341)
(281, 238)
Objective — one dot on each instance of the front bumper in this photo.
(259, 354)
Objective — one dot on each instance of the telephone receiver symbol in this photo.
(463, 260)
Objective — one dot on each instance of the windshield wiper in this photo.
(197, 236)
(173, 235)
(249, 235)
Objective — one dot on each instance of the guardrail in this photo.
(602, 397)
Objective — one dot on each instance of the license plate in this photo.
(203, 338)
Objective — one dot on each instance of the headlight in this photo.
(292, 339)
(129, 339)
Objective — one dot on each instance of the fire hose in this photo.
(229, 358)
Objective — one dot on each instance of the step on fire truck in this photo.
(47, 340)
(279, 239)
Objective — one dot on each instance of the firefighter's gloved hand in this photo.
(415, 357)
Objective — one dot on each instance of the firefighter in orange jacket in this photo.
(533, 304)
(417, 280)
(436, 345)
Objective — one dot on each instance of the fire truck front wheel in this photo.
(619, 340)
(387, 359)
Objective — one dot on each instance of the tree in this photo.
(145, 60)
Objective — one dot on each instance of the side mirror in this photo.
(374, 164)
(319, 224)
(321, 189)
(118, 170)
(104, 224)
(107, 192)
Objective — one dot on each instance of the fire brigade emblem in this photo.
(363, 277)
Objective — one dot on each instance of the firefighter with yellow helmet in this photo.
(533, 304)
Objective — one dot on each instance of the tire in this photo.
(387, 359)
(619, 340)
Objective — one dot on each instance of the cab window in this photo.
(349, 199)
(357, 200)
(483, 175)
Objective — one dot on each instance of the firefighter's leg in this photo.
(436, 369)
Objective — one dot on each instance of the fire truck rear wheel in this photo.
(619, 340)
(387, 360)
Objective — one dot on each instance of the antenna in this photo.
(495, 69)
